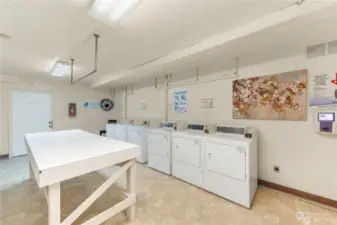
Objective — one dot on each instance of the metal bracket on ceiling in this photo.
(126, 90)
(168, 77)
(299, 2)
(96, 36)
(155, 83)
(113, 92)
(197, 75)
(236, 71)
(131, 90)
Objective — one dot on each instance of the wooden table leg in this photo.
(54, 204)
(31, 173)
(131, 189)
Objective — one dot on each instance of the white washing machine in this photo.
(137, 133)
(159, 146)
(187, 152)
(118, 131)
(230, 164)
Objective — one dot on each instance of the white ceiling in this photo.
(283, 40)
(43, 31)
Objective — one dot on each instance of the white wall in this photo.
(91, 120)
(152, 97)
(307, 160)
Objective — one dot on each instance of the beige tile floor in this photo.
(161, 200)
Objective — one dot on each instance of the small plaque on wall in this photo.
(72, 109)
(207, 103)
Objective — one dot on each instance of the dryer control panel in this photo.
(206, 128)
(246, 132)
(169, 125)
(196, 127)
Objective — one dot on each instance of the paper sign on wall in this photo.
(142, 106)
(324, 90)
(206, 103)
(180, 101)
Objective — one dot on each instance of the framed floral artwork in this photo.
(72, 109)
(273, 97)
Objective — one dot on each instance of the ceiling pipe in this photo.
(72, 71)
(167, 80)
(125, 102)
(236, 71)
(131, 92)
(96, 36)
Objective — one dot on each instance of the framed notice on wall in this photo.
(180, 101)
(72, 109)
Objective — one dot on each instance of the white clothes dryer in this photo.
(118, 131)
(230, 164)
(159, 146)
(187, 153)
(137, 133)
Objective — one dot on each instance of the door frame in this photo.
(10, 113)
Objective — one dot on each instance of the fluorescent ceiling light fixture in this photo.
(60, 68)
(110, 11)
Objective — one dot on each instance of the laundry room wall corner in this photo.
(294, 146)
(91, 120)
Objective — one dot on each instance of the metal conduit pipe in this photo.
(167, 80)
(96, 36)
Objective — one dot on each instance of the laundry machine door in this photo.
(158, 144)
(187, 151)
(224, 159)
(110, 130)
(186, 160)
(159, 147)
(135, 137)
(120, 133)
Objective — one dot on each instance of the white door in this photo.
(186, 160)
(225, 160)
(187, 151)
(159, 144)
(159, 147)
(31, 113)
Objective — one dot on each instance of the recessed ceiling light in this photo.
(111, 11)
(60, 69)
(5, 36)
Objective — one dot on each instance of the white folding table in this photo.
(61, 155)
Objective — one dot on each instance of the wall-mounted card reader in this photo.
(325, 120)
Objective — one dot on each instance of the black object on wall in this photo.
(102, 132)
(107, 104)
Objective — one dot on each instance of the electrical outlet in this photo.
(277, 169)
